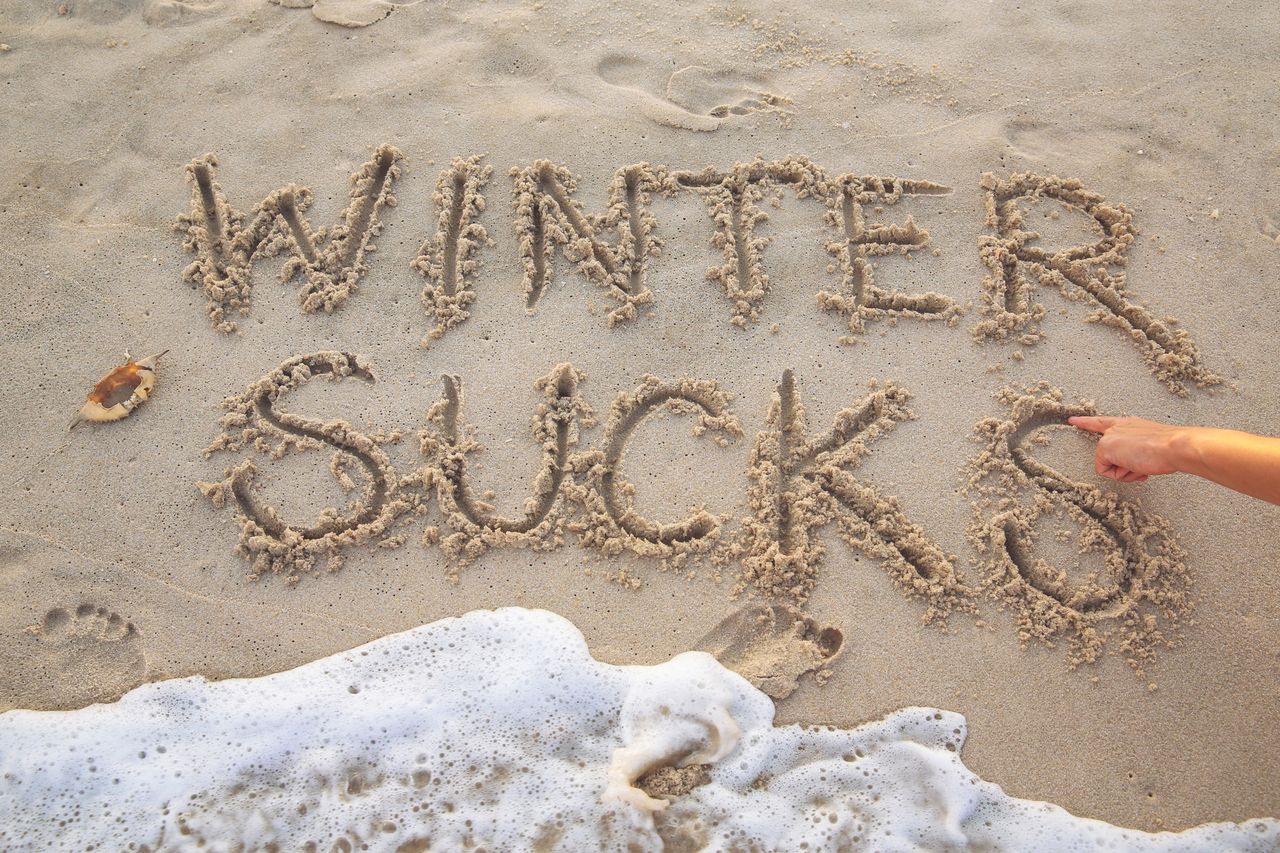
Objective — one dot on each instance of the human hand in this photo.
(1131, 449)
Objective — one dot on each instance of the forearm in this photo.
(1246, 463)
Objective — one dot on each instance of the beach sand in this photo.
(396, 170)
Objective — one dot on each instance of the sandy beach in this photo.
(720, 327)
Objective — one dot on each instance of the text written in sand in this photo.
(801, 482)
(615, 249)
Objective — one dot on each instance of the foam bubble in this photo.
(498, 731)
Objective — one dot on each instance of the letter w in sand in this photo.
(226, 242)
(799, 484)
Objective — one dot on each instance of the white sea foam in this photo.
(498, 731)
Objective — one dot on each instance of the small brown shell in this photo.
(119, 392)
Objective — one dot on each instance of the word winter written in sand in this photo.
(615, 250)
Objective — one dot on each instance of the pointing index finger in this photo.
(1092, 423)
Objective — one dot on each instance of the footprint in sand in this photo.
(772, 646)
(693, 98)
(83, 655)
(719, 94)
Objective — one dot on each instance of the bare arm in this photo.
(1131, 449)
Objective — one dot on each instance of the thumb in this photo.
(1092, 423)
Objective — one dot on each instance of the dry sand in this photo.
(754, 355)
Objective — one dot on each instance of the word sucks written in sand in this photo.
(800, 482)
(615, 250)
